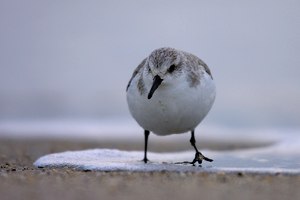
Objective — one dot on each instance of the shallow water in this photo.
(282, 154)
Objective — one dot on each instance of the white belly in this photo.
(171, 110)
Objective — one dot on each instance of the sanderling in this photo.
(170, 92)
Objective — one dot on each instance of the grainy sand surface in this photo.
(19, 179)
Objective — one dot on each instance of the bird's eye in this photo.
(149, 70)
(171, 68)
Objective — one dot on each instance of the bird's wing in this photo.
(200, 63)
(206, 68)
(136, 71)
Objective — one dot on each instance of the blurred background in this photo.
(70, 61)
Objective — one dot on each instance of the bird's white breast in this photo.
(174, 108)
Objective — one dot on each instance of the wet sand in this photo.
(19, 179)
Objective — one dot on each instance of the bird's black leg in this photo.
(146, 145)
(198, 155)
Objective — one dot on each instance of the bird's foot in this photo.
(199, 157)
(145, 160)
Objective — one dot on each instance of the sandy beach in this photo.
(19, 179)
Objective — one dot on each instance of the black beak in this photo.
(156, 82)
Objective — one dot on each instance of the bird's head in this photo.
(163, 65)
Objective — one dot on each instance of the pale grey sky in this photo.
(74, 58)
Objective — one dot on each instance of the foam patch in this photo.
(283, 157)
